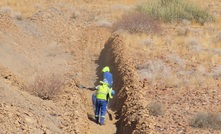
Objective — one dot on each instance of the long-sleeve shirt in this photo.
(108, 76)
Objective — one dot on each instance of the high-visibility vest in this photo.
(102, 92)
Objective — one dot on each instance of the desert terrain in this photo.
(167, 80)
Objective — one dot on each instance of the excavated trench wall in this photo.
(130, 102)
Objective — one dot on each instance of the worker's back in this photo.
(108, 76)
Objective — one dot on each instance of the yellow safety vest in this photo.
(102, 92)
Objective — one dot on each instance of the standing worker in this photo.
(101, 101)
(107, 76)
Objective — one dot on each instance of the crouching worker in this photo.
(101, 101)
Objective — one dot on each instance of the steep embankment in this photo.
(38, 46)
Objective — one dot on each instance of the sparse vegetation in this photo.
(216, 72)
(46, 87)
(217, 39)
(18, 16)
(137, 23)
(75, 14)
(181, 67)
(176, 59)
(153, 70)
(206, 120)
(183, 31)
(6, 10)
(175, 10)
(104, 23)
(193, 44)
(155, 109)
(148, 42)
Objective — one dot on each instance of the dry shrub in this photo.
(104, 23)
(75, 14)
(137, 23)
(154, 69)
(18, 16)
(155, 109)
(217, 39)
(46, 87)
(206, 120)
(176, 59)
(194, 45)
(183, 31)
(6, 10)
(216, 72)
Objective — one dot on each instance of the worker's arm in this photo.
(92, 88)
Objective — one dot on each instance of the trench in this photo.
(129, 104)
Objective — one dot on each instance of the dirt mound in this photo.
(12, 78)
(22, 113)
(33, 47)
(7, 24)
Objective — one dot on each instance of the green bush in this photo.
(175, 10)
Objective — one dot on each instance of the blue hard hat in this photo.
(112, 92)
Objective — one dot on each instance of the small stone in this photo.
(29, 120)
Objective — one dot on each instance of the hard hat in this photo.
(106, 69)
(112, 92)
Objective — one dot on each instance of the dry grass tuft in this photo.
(217, 40)
(6, 10)
(153, 70)
(193, 44)
(104, 23)
(17, 16)
(155, 109)
(206, 120)
(183, 31)
(176, 59)
(75, 14)
(147, 42)
(46, 87)
(216, 72)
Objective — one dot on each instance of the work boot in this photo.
(102, 124)
(102, 121)
(97, 120)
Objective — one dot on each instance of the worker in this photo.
(108, 97)
(101, 101)
(107, 76)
